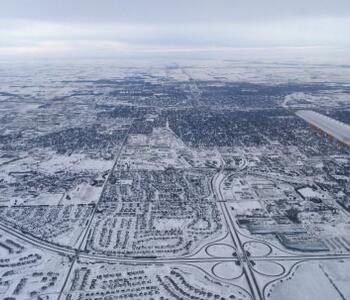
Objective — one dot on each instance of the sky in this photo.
(108, 28)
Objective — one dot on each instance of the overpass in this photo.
(333, 128)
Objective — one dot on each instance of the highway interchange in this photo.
(240, 256)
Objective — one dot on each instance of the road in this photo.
(62, 250)
(233, 230)
(230, 223)
(87, 228)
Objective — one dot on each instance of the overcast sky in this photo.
(113, 27)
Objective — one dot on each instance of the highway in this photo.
(62, 250)
(241, 254)
(84, 237)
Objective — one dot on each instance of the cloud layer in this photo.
(111, 28)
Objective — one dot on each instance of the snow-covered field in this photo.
(309, 281)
